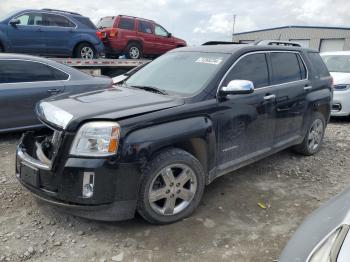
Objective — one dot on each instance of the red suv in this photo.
(136, 37)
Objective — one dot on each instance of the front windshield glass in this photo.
(337, 63)
(182, 73)
(5, 16)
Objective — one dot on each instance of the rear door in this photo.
(27, 37)
(22, 85)
(145, 31)
(289, 74)
(246, 128)
(57, 31)
(164, 40)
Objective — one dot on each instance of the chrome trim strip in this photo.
(41, 12)
(33, 61)
(31, 162)
(265, 52)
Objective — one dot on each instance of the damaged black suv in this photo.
(153, 143)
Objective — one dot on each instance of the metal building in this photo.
(320, 38)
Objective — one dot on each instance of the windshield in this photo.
(105, 22)
(5, 16)
(337, 63)
(183, 73)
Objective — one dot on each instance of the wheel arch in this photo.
(75, 48)
(136, 41)
(195, 136)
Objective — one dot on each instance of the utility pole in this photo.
(233, 27)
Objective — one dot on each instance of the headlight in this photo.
(96, 139)
(329, 249)
(55, 115)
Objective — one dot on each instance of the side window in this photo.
(24, 19)
(59, 75)
(126, 23)
(57, 20)
(16, 71)
(145, 27)
(251, 67)
(303, 70)
(160, 31)
(36, 19)
(318, 64)
(285, 68)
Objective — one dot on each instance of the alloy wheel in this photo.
(134, 52)
(87, 52)
(315, 134)
(172, 189)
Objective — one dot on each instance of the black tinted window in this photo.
(126, 23)
(251, 67)
(318, 64)
(145, 27)
(85, 21)
(303, 70)
(57, 20)
(285, 67)
(14, 71)
(59, 75)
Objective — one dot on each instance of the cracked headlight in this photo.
(329, 248)
(96, 139)
(55, 115)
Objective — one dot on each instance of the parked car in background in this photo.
(136, 37)
(338, 64)
(324, 235)
(24, 80)
(177, 124)
(49, 32)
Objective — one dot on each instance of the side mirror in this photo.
(238, 87)
(15, 22)
(170, 35)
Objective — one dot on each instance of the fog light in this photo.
(88, 184)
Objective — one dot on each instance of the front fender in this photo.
(142, 144)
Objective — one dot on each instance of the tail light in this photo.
(113, 33)
(100, 35)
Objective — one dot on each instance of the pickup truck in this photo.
(152, 144)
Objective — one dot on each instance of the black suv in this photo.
(152, 144)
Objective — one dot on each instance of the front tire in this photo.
(85, 51)
(171, 188)
(314, 136)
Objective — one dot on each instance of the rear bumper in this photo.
(115, 186)
(114, 47)
(341, 103)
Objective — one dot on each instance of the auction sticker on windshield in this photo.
(209, 60)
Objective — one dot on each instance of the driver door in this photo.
(164, 40)
(27, 36)
(247, 123)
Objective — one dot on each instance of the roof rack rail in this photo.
(136, 17)
(277, 42)
(221, 43)
(61, 11)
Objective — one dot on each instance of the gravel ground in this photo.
(228, 226)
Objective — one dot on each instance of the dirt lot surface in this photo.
(228, 226)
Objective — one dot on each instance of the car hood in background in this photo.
(113, 103)
(341, 78)
(316, 227)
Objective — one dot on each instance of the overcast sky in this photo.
(198, 21)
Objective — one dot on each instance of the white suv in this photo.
(338, 64)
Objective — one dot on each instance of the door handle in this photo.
(53, 91)
(307, 88)
(269, 97)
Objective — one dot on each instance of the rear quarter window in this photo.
(126, 23)
(318, 64)
(86, 21)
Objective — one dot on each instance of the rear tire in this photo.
(314, 136)
(134, 51)
(171, 188)
(85, 51)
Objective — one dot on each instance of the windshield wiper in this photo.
(152, 89)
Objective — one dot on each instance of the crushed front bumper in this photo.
(115, 185)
